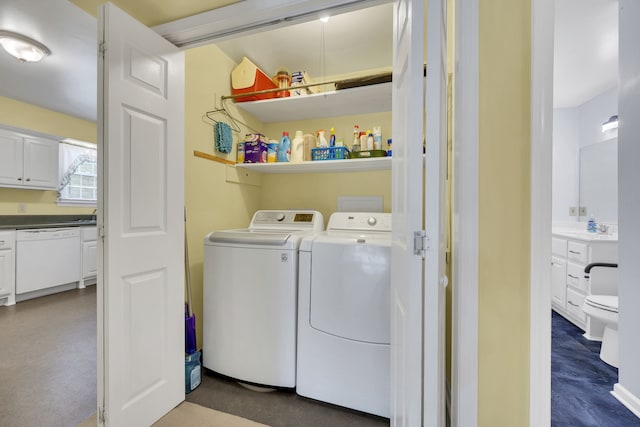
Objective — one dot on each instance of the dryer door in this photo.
(350, 289)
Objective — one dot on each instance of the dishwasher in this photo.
(47, 257)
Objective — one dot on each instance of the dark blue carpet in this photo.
(581, 382)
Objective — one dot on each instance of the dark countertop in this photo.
(18, 222)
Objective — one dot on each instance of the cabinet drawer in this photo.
(577, 252)
(7, 239)
(559, 246)
(575, 276)
(574, 304)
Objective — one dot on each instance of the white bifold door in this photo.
(141, 222)
(419, 241)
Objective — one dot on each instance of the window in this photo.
(78, 173)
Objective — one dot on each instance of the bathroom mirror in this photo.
(599, 181)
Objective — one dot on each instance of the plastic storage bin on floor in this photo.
(329, 153)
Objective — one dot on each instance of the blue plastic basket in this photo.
(329, 153)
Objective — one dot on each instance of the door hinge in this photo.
(102, 416)
(101, 232)
(420, 242)
(102, 48)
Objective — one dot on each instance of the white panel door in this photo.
(140, 215)
(407, 205)
(435, 177)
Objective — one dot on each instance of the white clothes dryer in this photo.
(250, 297)
(344, 314)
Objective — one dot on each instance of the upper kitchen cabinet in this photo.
(27, 161)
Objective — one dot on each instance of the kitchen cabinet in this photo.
(28, 161)
(571, 253)
(7, 267)
(89, 256)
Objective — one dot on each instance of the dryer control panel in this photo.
(364, 221)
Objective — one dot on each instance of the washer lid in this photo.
(245, 236)
(604, 302)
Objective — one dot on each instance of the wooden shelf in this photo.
(322, 166)
(359, 100)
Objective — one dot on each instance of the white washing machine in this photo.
(344, 314)
(250, 297)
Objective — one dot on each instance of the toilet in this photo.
(604, 308)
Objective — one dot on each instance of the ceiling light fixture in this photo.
(324, 19)
(22, 47)
(610, 124)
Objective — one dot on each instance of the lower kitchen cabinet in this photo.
(7, 268)
(89, 257)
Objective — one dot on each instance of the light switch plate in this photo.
(583, 211)
(573, 211)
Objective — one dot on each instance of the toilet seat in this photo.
(603, 302)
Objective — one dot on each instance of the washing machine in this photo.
(250, 297)
(344, 314)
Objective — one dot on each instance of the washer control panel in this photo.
(364, 221)
(290, 219)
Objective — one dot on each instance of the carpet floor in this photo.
(581, 382)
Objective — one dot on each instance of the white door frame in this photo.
(542, 22)
(464, 330)
(465, 212)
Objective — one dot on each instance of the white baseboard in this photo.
(627, 398)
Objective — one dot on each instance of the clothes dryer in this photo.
(344, 314)
(250, 297)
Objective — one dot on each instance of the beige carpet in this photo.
(189, 414)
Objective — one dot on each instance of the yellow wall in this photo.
(504, 142)
(30, 117)
(211, 203)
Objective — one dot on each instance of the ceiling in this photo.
(585, 57)
(585, 50)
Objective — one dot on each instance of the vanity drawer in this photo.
(574, 304)
(577, 252)
(559, 246)
(575, 276)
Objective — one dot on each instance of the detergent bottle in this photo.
(284, 150)
(297, 148)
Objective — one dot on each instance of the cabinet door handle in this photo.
(19, 179)
(575, 305)
(28, 179)
(574, 252)
(572, 276)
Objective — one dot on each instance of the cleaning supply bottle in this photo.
(322, 141)
(332, 138)
(592, 226)
(355, 146)
(389, 150)
(369, 140)
(377, 138)
(297, 148)
(284, 149)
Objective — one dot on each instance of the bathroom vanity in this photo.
(571, 251)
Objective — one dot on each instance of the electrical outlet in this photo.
(583, 211)
(573, 211)
(22, 208)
